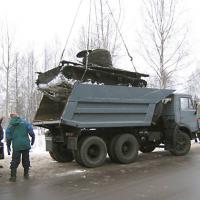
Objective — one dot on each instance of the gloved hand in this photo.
(8, 143)
(9, 150)
(32, 141)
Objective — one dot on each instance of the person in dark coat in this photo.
(1, 129)
(17, 134)
(1, 144)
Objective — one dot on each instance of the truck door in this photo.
(188, 113)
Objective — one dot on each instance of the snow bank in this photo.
(39, 145)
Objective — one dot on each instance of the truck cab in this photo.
(180, 109)
(186, 115)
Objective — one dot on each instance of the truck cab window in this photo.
(186, 104)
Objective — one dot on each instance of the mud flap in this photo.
(72, 143)
(170, 128)
(49, 143)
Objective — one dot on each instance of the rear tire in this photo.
(61, 153)
(93, 151)
(111, 150)
(182, 144)
(126, 148)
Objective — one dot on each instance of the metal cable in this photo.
(88, 42)
(131, 58)
(74, 20)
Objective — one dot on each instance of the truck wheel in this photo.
(93, 151)
(61, 153)
(111, 149)
(126, 148)
(182, 144)
(76, 153)
(51, 154)
(147, 148)
(77, 157)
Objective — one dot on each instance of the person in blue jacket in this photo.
(17, 134)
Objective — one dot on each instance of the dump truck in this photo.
(94, 121)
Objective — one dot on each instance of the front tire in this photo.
(61, 153)
(182, 144)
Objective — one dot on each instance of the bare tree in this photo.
(193, 84)
(163, 39)
(23, 90)
(16, 66)
(102, 33)
(6, 46)
(31, 66)
(52, 53)
(47, 59)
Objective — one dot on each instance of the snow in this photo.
(71, 172)
(69, 81)
(58, 80)
(39, 145)
(92, 83)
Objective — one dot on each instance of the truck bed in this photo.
(99, 106)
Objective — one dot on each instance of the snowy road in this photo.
(155, 176)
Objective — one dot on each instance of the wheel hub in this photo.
(93, 151)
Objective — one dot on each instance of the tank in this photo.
(58, 82)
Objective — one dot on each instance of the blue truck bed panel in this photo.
(98, 106)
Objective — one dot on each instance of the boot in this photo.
(26, 173)
(13, 175)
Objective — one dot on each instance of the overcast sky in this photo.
(39, 21)
(35, 23)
